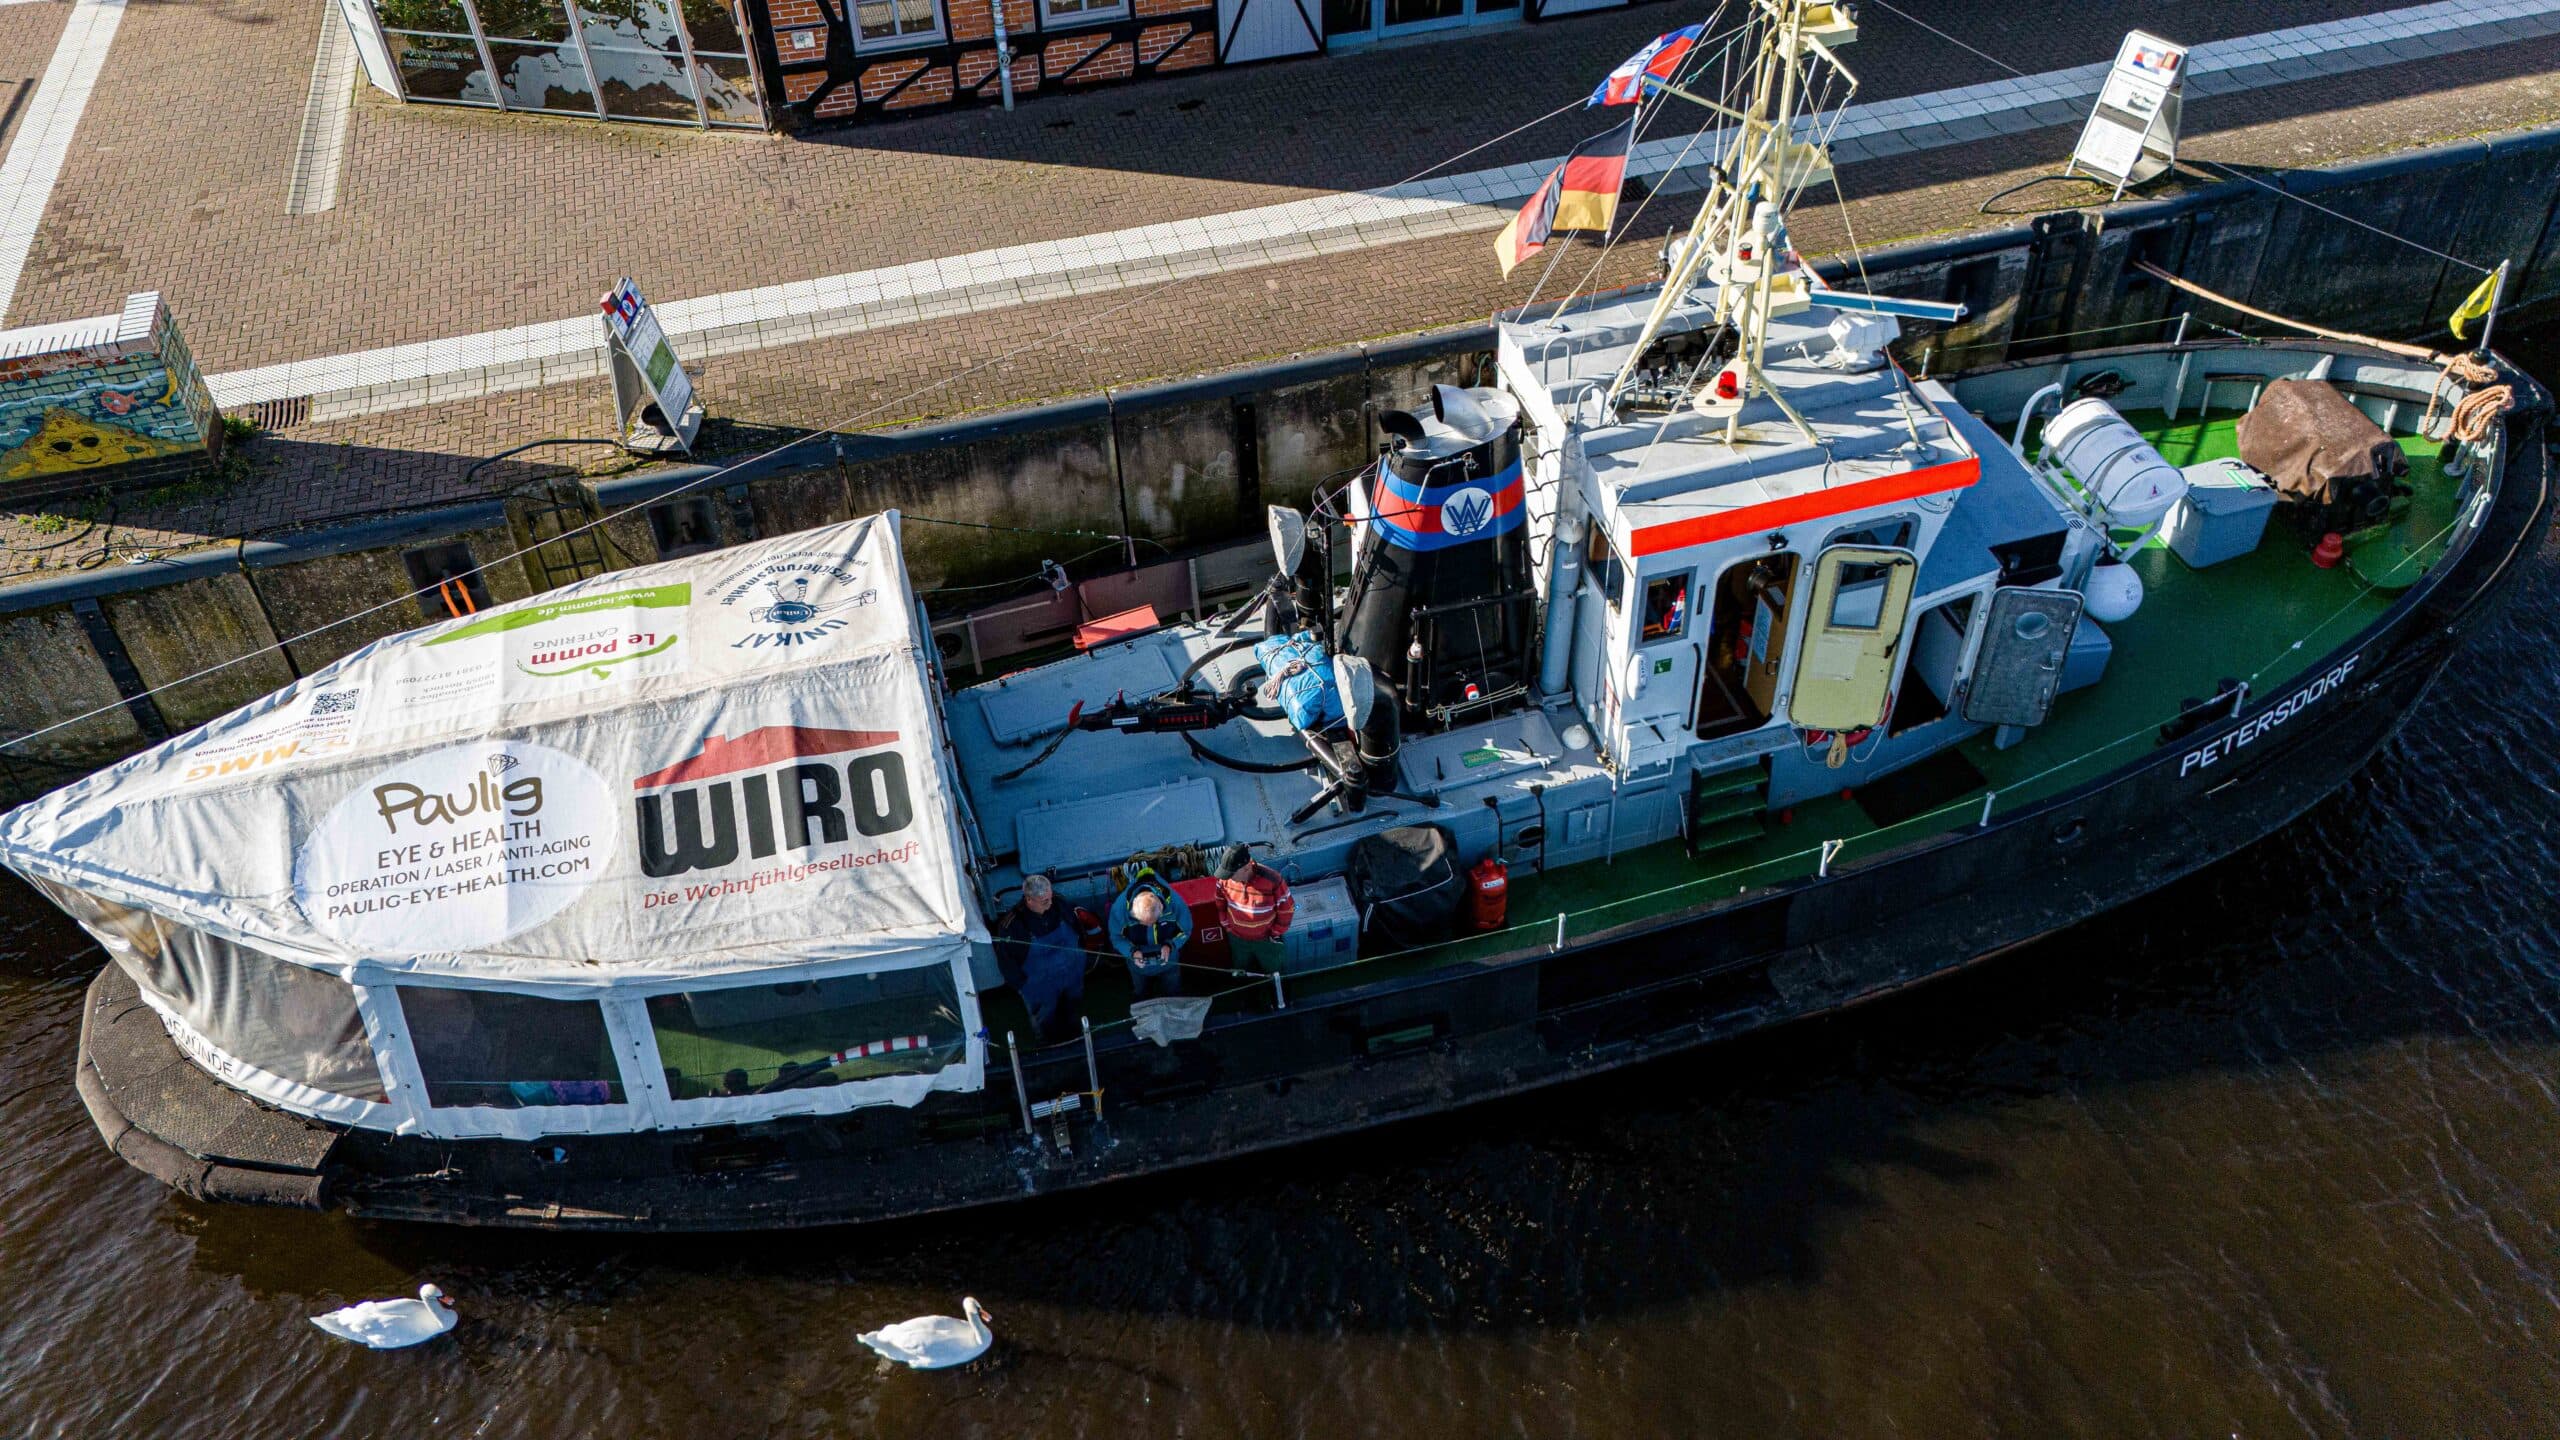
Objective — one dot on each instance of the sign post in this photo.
(653, 403)
(2132, 134)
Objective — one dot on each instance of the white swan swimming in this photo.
(934, 1342)
(391, 1324)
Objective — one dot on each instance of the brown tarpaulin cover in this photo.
(2306, 437)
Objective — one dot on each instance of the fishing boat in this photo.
(1707, 671)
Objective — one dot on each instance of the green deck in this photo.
(2263, 617)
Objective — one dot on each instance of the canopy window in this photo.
(763, 1039)
(287, 1020)
(505, 1051)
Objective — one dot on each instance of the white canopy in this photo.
(726, 763)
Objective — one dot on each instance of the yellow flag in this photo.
(2482, 297)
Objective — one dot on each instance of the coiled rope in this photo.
(2475, 412)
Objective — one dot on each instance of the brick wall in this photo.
(975, 19)
(1090, 58)
(964, 65)
(978, 70)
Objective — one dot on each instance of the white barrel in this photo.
(2113, 463)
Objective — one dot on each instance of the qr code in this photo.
(334, 702)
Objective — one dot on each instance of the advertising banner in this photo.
(706, 766)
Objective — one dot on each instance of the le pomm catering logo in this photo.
(792, 602)
(457, 848)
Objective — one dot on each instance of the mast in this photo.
(1744, 207)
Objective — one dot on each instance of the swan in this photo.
(391, 1324)
(934, 1342)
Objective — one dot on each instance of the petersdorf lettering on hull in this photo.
(2223, 746)
(457, 848)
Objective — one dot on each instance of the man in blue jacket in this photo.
(1042, 957)
(1149, 926)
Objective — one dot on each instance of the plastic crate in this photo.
(1326, 929)
(2223, 516)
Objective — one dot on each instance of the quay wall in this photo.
(1187, 466)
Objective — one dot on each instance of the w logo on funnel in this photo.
(1465, 513)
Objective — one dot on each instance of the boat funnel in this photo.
(1440, 601)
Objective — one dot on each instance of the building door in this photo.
(1852, 637)
(1267, 29)
(1357, 22)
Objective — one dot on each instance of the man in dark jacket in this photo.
(1042, 957)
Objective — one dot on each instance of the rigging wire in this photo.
(1701, 59)
(2217, 165)
(1698, 59)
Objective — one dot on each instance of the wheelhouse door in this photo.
(1852, 637)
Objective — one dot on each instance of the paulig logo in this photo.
(797, 601)
(1466, 512)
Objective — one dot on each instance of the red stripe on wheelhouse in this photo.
(1813, 505)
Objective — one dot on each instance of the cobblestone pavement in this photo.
(318, 472)
(27, 37)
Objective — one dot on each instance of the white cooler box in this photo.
(2223, 516)
(1326, 929)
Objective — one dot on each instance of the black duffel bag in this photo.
(1405, 882)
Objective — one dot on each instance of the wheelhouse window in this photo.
(1894, 532)
(1859, 602)
(760, 1039)
(1666, 607)
(879, 23)
(1607, 570)
(496, 1050)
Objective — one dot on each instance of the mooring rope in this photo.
(2474, 413)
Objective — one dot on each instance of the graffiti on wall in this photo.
(96, 395)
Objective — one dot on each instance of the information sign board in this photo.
(645, 373)
(2132, 134)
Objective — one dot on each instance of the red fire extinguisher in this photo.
(1488, 894)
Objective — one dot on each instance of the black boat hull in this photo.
(1430, 1042)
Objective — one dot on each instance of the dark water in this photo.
(2272, 1153)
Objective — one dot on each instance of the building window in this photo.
(878, 23)
(1073, 12)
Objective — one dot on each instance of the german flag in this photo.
(1580, 194)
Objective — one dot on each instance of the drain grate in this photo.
(282, 414)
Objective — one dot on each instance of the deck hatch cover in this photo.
(1036, 704)
(1084, 835)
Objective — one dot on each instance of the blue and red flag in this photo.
(1661, 60)
(1458, 512)
(1580, 194)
